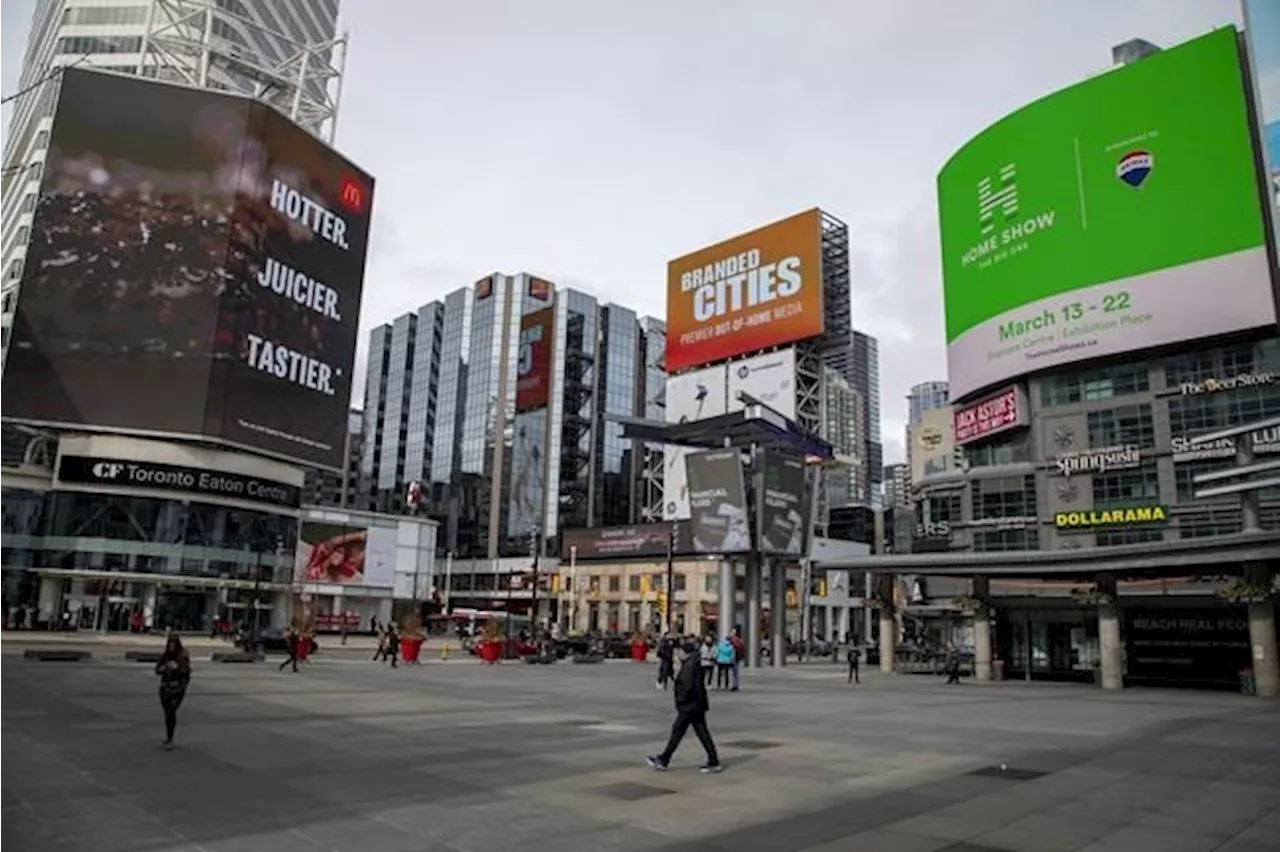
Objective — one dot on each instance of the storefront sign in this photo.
(1264, 441)
(154, 476)
(1011, 523)
(995, 414)
(1244, 380)
(1094, 518)
(1100, 460)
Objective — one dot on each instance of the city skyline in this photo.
(612, 228)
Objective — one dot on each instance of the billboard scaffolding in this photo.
(302, 79)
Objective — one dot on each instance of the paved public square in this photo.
(351, 756)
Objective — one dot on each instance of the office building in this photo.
(498, 401)
(282, 52)
(897, 485)
(864, 376)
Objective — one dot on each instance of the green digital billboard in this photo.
(1122, 213)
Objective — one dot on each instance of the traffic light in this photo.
(819, 587)
(644, 584)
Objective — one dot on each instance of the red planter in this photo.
(639, 651)
(490, 651)
(410, 648)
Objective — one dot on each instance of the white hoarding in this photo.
(691, 396)
(770, 378)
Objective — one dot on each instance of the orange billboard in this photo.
(760, 289)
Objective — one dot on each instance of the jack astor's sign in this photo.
(1094, 518)
(1100, 460)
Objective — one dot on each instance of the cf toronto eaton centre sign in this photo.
(155, 476)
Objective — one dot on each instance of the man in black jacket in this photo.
(691, 709)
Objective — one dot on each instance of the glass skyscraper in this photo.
(498, 400)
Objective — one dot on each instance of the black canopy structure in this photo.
(755, 425)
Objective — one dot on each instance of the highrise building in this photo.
(498, 400)
(842, 418)
(926, 396)
(283, 52)
(864, 376)
(897, 485)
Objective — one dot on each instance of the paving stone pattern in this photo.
(350, 756)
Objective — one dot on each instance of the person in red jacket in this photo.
(739, 654)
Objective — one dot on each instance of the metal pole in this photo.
(671, 573)
(533, 603)
(448, 579)
(1249, 512)
(573, 588)
(806, 581)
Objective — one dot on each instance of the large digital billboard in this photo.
(345, 555)
(1119, 214)
(1262, 31)
(770, 378)
(760, 289)
(718, 518)
(195, 270)
(696, 395)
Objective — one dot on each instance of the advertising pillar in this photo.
(778, 612)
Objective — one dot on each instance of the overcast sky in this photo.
(590, 142)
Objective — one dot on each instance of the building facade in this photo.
(864, 376)
(926, 396)
(499, 401)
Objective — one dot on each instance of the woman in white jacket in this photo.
(708, 658)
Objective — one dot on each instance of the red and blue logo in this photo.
(1134, 167)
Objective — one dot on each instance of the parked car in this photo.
(276, 642)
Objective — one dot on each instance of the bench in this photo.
(236, 657)
(143, 656)
(58, 655)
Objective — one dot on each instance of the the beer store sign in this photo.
(1264, 441)
(1097, 518)
(1097, 461)
(1244, 380)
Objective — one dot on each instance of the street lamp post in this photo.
(671, 574)
(533, 603)
(573, 589)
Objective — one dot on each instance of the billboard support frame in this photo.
(182, 50)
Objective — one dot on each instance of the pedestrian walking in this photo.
(853, 664)
(692, 706)
(725, 654)
(666, 662)
(393, 645)
(739, 654)
(953, 667)
(174, 669)
(291, 640)
(381, 652)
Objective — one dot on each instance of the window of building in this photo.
(1136, 487)
(1130, 425)
(633, 583)
(679, 582)
(1000, 540)
(99, 44)
(1195, 414)
(1004, 497)
(95, 15)
(999, 451)
(594, 588)
(711, 583)
(1111, 538)
(615, 583)
(937, 508)
(13, 274)
(1221, 362)
(1117, 380)
(1226, 521)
